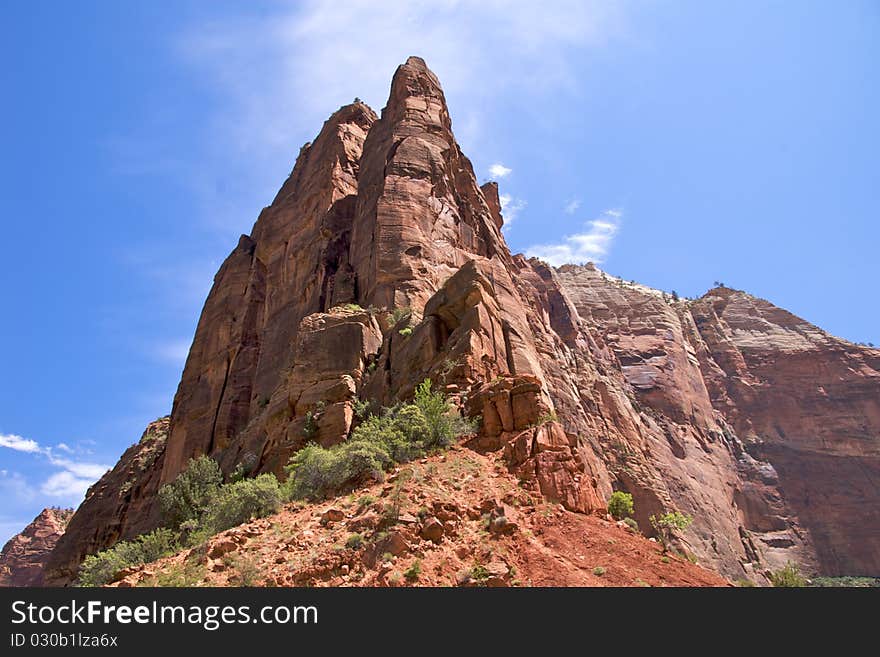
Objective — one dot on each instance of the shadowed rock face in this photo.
(809, 404)
(24, 555)
(798, 408)
(584, 383)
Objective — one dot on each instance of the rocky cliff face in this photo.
(381, 262)
(120, 505)
(24, 555)
(787, 414)
(807, 404)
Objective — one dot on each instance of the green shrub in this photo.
(845, 581)
(399, 434)
(246, 572)
(188, 496)
(310, 426)
(633, 525)
(310, 473)
(413, 572)
(406, 331)
(102, 568)
(363, 408)
(789, 576)
(354, 542)
(316, 472)
(598, 571)
(444, 422)
(667, 524)
(620, 505)
(240, 501)
(177, 575)
(398, 314)
(244, 467)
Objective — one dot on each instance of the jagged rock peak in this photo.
(25, 554)
(416, 94)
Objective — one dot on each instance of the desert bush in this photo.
(847, 581)
(316, 472)
(620, 505)
(238, 502)
(632, 524)
(188, 496)
(789, 576)
(398, 314)
(398, 434)
(101, 568)
(246, 465)
(444, 422)
(667, 524)
(413, 573)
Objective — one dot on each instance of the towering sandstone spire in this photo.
(759, 425)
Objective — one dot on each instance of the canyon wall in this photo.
(381, 262)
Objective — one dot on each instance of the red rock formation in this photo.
(120, 505)
(24, 555)
(381, 262)
(788, 415)
(808, 404)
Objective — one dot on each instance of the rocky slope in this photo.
(459, 519)
(25, 554)
(381, 262)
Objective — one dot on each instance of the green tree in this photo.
(103, 567)
(190, 494)
(239, 502)
(620, 505)
(667, 524)
(789, 576)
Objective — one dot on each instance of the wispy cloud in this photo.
(70, 481)
(18, 443)
(66, 484)
(498, 170)
(510, 209)
(591, 245)
(572, 206)
(287, 61)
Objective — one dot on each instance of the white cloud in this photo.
(572, 206)
(18, 443)
(305, 59)
(498, 170)
(592, 245)
(80, 469)
(66, 484)
(510, 209)
(70, 481)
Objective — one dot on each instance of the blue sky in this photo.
(678, 143)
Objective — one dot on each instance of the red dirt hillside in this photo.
(460, 517)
